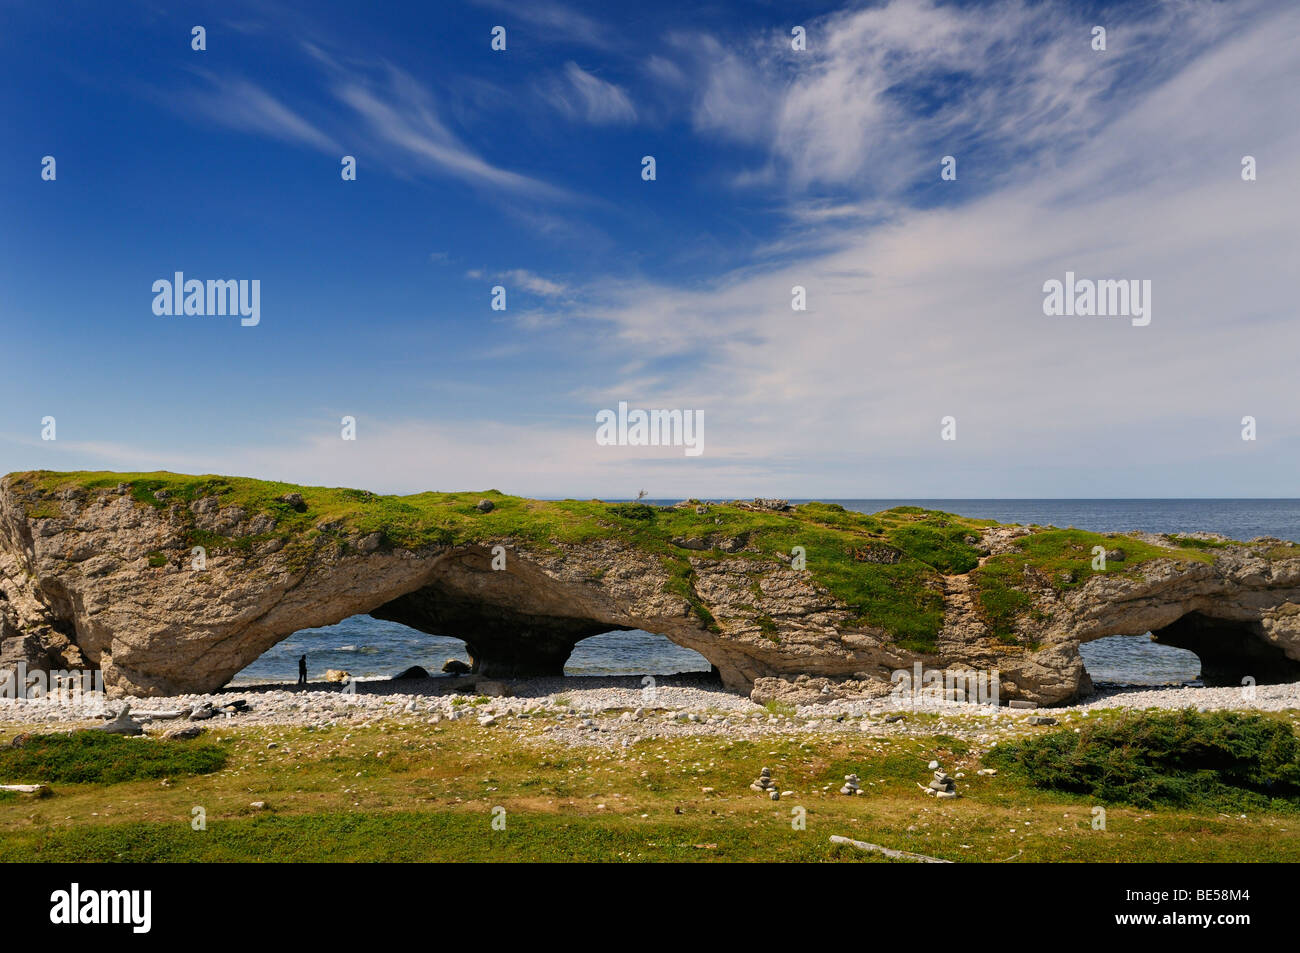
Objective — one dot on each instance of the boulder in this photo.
(414, 672)
(122, 724)
(186, 733)
(294, 501)
(203, 712)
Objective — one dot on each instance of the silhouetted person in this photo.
(302, 670)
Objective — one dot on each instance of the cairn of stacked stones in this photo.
(766, 784)
(942, 786)
(851, 785)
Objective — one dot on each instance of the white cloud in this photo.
(556, 22)
(522, 278)
(584, 96)
(939, 312)
(402, 117)
(1008, 76)
(239, 104)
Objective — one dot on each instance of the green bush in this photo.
(1216, 761)
(94, 757)
(633, 511)
(943, 548)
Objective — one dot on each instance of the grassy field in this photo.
(414, 791)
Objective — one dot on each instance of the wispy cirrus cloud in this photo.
(556, 21)
(400, 116)
(243, 105)
(521, 277)
(937, 311)
(581, 95)
(881, 93)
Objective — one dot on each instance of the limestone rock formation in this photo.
(171, 584)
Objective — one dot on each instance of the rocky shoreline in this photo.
(610, 711)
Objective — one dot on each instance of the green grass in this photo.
(407, 790)
(1061, 559)
(93, 757)
(416, 837)
(1222, 761)
(1194, 542)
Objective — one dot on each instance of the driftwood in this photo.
(887, 851)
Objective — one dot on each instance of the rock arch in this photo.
(1237, 630)
(515, 622)
(1230, 649)
(100, 576)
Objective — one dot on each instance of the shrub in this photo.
(633, 511)
(93, 757)
(1216, 761)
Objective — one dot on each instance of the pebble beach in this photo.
(608, 711)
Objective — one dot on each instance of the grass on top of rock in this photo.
(1061, 559)
(1221, 761)
(887, 567)
(95, 757)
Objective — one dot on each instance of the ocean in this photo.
(368, 647)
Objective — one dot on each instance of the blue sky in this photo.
(775, 168)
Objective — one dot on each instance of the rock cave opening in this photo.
(1136, 660)
(1232, 651)
(359, 645)
(633, 652)
(1196, 647)
(368, 647)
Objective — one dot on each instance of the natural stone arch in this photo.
(1138, 649)
(670, 658)
(515, 622)
(520, 621)
(525, 619)
(1234, 635)
(95, 572)
(1230, 649)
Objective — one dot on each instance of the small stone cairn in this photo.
(765, 784)
(851, 785)
(941, 786)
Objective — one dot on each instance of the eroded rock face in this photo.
(111, 583)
